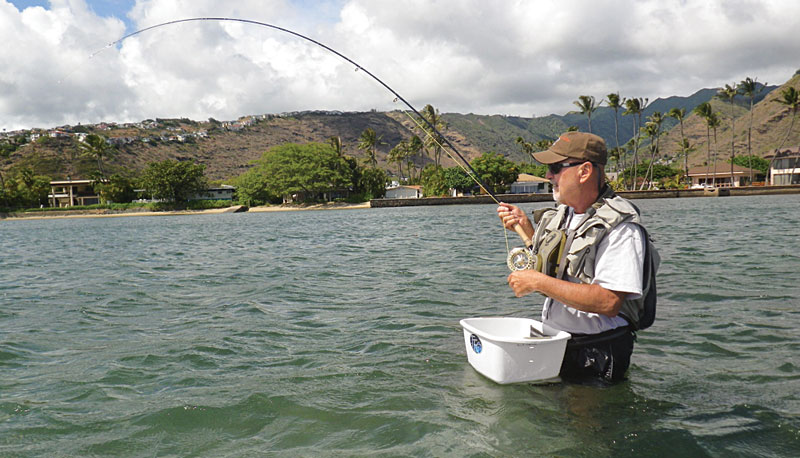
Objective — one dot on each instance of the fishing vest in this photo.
(559, 251)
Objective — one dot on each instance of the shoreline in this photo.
(105, 213)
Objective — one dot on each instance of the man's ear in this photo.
(585, 172)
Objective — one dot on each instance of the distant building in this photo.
(720, 176)
(785, 167)
(530, 184)
(222, 192)
(404, 192)
(72, 192)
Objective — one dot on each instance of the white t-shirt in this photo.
(618, 267)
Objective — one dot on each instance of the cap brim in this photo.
(549, 157)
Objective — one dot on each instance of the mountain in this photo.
(228, 148)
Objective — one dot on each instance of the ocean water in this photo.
(335, 333)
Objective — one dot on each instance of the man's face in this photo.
(564, 180)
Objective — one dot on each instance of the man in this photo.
(599, 270)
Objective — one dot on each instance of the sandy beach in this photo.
(104, 213)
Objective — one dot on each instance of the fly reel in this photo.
(520, 259)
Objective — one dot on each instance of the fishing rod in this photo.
(469, 169)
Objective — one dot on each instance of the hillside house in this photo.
(785, 167)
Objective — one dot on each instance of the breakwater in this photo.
(525, 198)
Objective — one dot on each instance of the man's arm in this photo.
(584, 297)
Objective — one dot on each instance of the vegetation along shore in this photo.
(720, 138)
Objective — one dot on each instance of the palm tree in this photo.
(368, 142)
(705, 111)
(415, 149)
(527, 147)
(791, 98)
(680, 114)
(614, 101)
(729, 93)
(653, 130)
(714, 121)
(635, 107)
(433, 125)
(542, 145)
(336, 144)
(97, 148)
(749, 87)
(587, 105)
(399, 154)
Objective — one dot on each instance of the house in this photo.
(785, 168)
(720, 176)
(404, 192)
(222, 192)
(72, 192)
(530, 184)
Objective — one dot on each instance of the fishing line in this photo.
(357, 66)
(464, 164)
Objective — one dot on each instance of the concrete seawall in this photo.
(523, 198)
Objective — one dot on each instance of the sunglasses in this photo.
(556, 168)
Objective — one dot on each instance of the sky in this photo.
(518, 58)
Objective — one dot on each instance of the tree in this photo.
(117, 188)
(680, 115)
(252, 188)
(372, 183)
(173, 181)
(789, 97)
(714, 121)
(415, 150)
(456, 178)
(495, 171)
(368, 142)
(432, 123)
(757, 162)
(587, 105)
(635, 107)
(653, 131)
(614, 102)
(527, 147)
(336, 144)
(542, 145)
(97, 148)
(433, 180)
(750, 88)
(398, 155)
(729, 93)
(307, 170)
(26, 189)
(705, 111)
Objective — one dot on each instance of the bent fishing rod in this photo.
(465, 165)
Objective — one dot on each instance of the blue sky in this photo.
(526, 58)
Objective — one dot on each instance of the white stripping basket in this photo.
(514, 350)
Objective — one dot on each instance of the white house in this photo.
(530, 184)
(404, 192)
(785, 167)
(223, 192)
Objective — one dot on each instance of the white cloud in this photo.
(519, 58)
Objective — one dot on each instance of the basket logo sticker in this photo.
(477, 346)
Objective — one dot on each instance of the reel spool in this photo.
(520, 259)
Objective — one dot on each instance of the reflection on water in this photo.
(336, 333)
